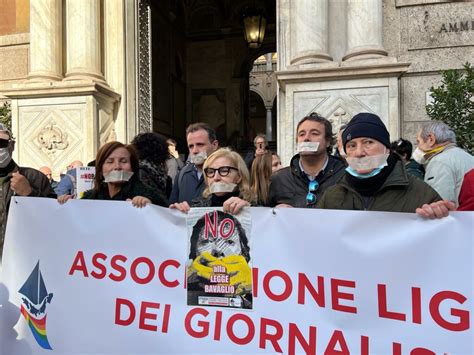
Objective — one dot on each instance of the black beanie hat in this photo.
(366, 124)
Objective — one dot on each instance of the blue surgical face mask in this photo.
(355, 174)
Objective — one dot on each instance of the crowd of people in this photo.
(359, 168)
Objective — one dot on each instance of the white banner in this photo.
(106, 278)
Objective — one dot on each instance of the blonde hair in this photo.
(260, 177)
(236, 160)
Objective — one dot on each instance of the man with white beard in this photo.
(189, 183)
(312, 170)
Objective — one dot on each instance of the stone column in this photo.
(268, 64)
(309, 32)
(268, 126)
(83, 40)
(45, 40)
(364, 30)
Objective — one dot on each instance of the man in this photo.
(67, 184)
(46, 170)
(189, 183)
(174, 163)
(260, 144)
(445, 163)
(311, 171)
(375, 179)
(15, 180)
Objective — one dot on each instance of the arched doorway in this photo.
(263, 83)
(200, 66)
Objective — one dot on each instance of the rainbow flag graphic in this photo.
(34, 304)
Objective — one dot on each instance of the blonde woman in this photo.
(227, 183)
(260, 177)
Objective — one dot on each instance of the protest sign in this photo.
(219, 267)
(84, 179)
(109, 278)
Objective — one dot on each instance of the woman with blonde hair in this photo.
(260, 177)
(227, 183)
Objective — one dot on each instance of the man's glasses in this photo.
(312, 188)
(223, 171)
(4, 143)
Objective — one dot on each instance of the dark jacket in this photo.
(399, 193)
(415, 169)
(215, 201)
(38, 182)
(156, 177)
(131, 189)
(290, 185)
(187, 186)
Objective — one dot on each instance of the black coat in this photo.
(131, 189)
(290, 185)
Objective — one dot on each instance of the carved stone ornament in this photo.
(51, 139)
(145, 109)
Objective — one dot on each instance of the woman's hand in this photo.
(64, 198)
(140, 201)
(438, 209)
(181, 206)
(234, 205)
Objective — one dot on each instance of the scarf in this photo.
(218, 201)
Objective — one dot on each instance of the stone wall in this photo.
(14, 41)
(432, 36)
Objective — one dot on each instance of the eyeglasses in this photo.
(223, 171)
(4, 143)
(311, 197)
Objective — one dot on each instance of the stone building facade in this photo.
(79, 72)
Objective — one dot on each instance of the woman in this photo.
(276, 162)
(117, 179)
(260, 177)
(152, 152)
(227, 180)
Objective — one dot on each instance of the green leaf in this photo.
(453, 103)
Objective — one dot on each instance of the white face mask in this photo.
(307, 147)
(419, 156)
(199, 158)
(221, 187)
(5, 157)
(368, 163)
(118, 176)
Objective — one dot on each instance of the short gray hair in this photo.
(441, 131)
